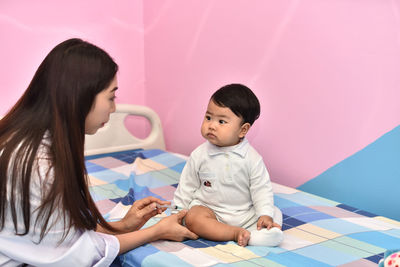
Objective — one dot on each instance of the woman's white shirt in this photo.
(79, 248)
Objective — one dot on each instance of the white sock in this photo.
(266, 238)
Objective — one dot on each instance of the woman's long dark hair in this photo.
(56, 104)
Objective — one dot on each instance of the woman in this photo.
(47, 216)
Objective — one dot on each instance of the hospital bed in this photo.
(317, 231)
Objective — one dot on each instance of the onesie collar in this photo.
(240, 149)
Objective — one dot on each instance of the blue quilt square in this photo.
(129, 157)
(91, 167)
(137, 255)
(151, 153)
(306, 199)
(393, 232)
(196, 243)
(148, 180)
(167, 159)
(378, 239)
(340, 226)
(346, 207)
(131, 154)
(126, 200)
(375, 258)
(305, 214)
(178, 167)
(297, 210)
(283, 203)
(162, 258)
(124, 184)
(293, 259)
(263, 251)
(290, 222)
(366, 213)
(356, 210)
(212, 243)
(311, 217)
(325, 254)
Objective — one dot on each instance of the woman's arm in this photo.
(140, 212)
(169, 228)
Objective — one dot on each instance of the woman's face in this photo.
(103, 106)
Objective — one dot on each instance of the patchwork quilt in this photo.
(317, 231)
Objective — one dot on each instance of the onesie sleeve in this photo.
(188, 184)
(261, 188)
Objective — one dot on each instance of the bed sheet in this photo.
(317, 231)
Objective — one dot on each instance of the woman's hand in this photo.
(140, 212)
(171, 228)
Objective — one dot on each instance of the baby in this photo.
(225, 184)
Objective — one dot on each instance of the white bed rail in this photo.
(115, 137)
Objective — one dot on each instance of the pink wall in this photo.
(30, 29)
(326, 73)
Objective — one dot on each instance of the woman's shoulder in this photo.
(43, 151)
(42, 175)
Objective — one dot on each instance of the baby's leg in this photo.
(202, 221)
(264, 237)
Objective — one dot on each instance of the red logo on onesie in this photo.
(207, 183)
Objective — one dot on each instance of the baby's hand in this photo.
(267, 222)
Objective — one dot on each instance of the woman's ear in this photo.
(244, 129)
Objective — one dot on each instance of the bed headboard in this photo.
(115, 137)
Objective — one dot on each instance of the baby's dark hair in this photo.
(240, 99)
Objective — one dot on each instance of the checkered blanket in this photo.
(317, 231)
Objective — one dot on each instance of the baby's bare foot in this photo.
(242, 237)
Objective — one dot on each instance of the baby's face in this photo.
(221, 126)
